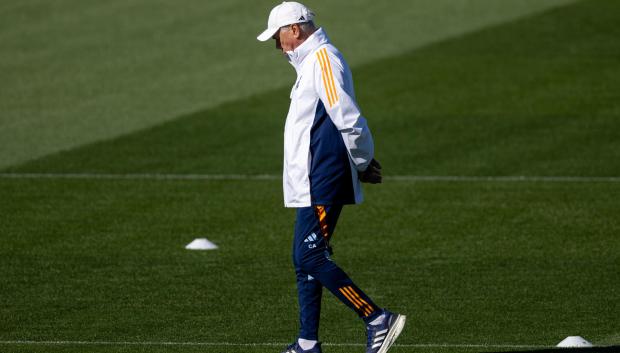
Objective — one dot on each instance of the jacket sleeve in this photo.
(334, 86)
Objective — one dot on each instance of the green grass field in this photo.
(92, 252)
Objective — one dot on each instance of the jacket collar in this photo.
(297, 56)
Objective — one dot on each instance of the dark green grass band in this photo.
(267, 177)
(105, 260)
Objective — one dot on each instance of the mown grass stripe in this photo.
(431, 178)
(92, 78)
(257, 344)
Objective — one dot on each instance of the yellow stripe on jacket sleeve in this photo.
(328, 77)
(324, 76)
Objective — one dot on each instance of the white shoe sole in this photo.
(393, 334)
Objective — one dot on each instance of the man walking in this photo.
(328, 150)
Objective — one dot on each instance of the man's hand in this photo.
(372, 174)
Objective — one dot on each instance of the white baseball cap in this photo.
(287, 13)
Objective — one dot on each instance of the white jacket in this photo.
(326, 139)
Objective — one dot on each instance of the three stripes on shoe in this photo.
(378, 341)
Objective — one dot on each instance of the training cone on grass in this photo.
(574, 342)
(201, 244)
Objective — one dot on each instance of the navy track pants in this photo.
(315, 269)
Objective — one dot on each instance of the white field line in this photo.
(258, 344)
(145, 176)
(405, 178)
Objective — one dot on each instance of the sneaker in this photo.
(295, 348)
(382, 336)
